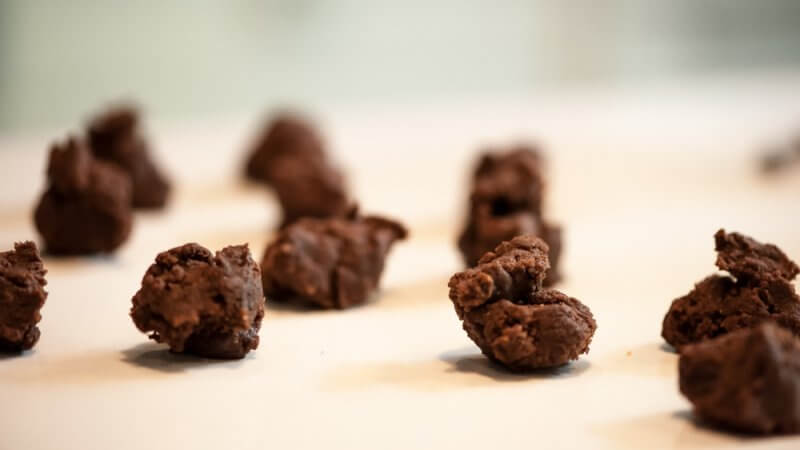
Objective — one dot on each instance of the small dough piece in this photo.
(115, 137)
(332, 263)
(744, 257)
(287, 136)
(22, 295)
(87, 207)
(747, 380)
(511, 317)
(511, 180)
(719, 304)
(760, 289)
(505, 202)
(484, 231)
(290, 157)
(310, 188)
(203, 304)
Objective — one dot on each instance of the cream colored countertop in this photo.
(641, 179)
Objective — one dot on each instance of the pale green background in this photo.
(59, 60)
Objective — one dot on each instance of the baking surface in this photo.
(640, 180)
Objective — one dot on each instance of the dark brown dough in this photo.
(760, 289)
(290, 157)
(512, 318)
(87, 207)
(309, 188)
(287, 136)
(745, 258)
(203, 304)
(115, 136)
(330, 263)
(22, 295)
(484, 231)
(506, 201)
(747, 380)
(510, 181)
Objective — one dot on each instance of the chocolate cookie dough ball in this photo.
(203, 304)
(757, 288)
(310, 189)
(87, 207)
(511, 317)
(511, 180)
(115, 137)
(287, 136)
(330, 263)
(22, 295)
(291, 159)
(485, 230)
(749, 260)
(506, 201)
(747, 380)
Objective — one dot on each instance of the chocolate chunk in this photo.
(747, 380)
(22, 295)
(115, 137)
(203, 304)
(290, 157)
(511, 317)
(506, 201)
(86, 208)
(744, 257)
(760, 290)
(330, 263)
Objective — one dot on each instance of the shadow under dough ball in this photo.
(329, 263)
(202, 304)
(505, 202)
(115, 136)
(747, 380)
(86, 208)
(22, 295)
(291, 158)
(511, 317)
(757, 287)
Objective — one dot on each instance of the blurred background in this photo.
(625, 96)
(186, 59)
